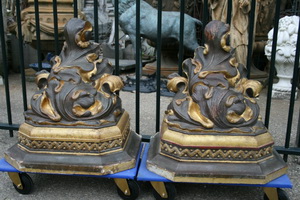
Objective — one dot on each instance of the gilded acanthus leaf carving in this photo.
(80, 90)
(214, 95)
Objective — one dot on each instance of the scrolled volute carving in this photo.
(214, 95)
(80, 90)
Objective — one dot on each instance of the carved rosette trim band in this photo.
(194, 154)
(97, 148)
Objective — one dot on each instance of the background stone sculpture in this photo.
(265, 17)
(239, 24)
(105, 23)
(170, 24)
(219, 9)
(285, 55)
(239, 28)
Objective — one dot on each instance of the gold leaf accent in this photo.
(71, 146)
(174, 82)
(47, 108)
(247, 115)
(80, 36)
(223, 42)
(86, 75)
(244, 84)
(115, 83)
(76, 94)
(233, 62)
(41, 76)
(91, 57)
(179, 101)
(60, 86)
(209, 93)
(206, 49)
(232, 81)
(36, 96)
(198, 66)
(204, 74)
(169, 112)
(94, 109)
(229, 101)
(56, 67)
(219, 154)
(194, 112)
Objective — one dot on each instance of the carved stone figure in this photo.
(65, 12)
(285, 55)
(105, 24)
(148, 25)
(212, 131)
(265, 17)
(219, 9)
(239, 28)
(75, 123)
(239, 24)
(174, 5)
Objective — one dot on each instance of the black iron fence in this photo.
(201, 10)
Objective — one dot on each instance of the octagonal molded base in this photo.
(64, 163)
(259, 172)
(74, 150)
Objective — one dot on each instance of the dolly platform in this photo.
(164, 189)
(127, 187)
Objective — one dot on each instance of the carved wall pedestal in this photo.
(75, 123)
(212, 131)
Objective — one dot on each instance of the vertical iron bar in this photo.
(96, 24)
(21, 51)
(293, 95)
(5, 74)
(158, 61)
(117, 37)
(272, 63)
(138, 65)
(250, 38)
(298, 131)
(229, 10)
(204, 19)
(55, 23)
(181, 34)
(75, 6)
(38, 33)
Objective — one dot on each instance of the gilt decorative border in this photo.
(45, 146)
(214, 154)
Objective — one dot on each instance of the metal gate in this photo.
(201, 10)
